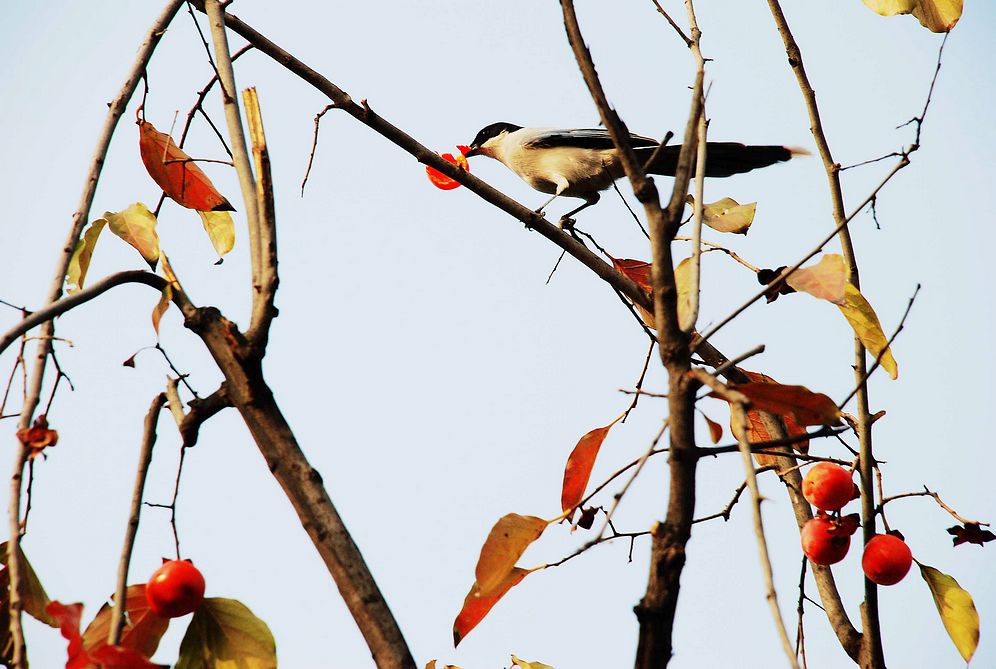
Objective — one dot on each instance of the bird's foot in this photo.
(566, 223)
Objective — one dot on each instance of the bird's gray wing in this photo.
(584, 138)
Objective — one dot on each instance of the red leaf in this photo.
(68, 616)
(440, 180)
(638, 272)
(805, 406)
(757, 432)
(579, 466)
(176, 173)
(715, 429)
(475, 607)
(118, 657)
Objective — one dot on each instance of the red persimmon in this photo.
(175, 589)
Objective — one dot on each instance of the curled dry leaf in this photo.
(956, 608)
(161, 306)
(824, 280)
(715, 429)
(938, 16)
(176, 172)
(522, 664)
(727, 215)
(38, 437)
(220, 229)
(505, 544)
(476, 605)
(80, 262)
(580, 462)
(137, 226)
(970, 533)
(638, 272)
(683, 280)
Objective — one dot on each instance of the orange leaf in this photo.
(715, 429)
(506, 543)
(476, 606)
(440, 180)
(757, 432)
(579, 466)
(639, 273)
(38, 436)
(176, 173)
(805, 406)
(142, 633)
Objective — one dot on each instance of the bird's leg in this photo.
(566, 220)
(546, 204)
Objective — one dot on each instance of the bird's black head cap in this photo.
(493, 130)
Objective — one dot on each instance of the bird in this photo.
(582, 162)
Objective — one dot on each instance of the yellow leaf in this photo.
(220, 229)
(80, 262)
(162, 306)
(938, 16)
(824, 280)
(727, 215)
(522, 664)
(683, 283)
(956, 608)
(506, 543)
(866, 327)
(137, 226)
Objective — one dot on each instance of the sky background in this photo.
(429, 373)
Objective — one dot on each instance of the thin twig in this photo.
(144, 460)
(674, 25)
(639, 382)
(314, 145)
(737, 407)
(929, 493)
(728, 509)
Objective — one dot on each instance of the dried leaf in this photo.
(867, 328)
(970, 533)
(224, 634)
(80, 262)
(477, 605)
(805, 406)
(38, 437)
(683, 278)
(220, 229)
(142, 633)
(161, 306)
(825, 280)
(727, 215)
(176, 173)
(137, 226)
(579, 465)
(956, 608)
(506, 543)
(522, 664)
(938, 16)
(776, 286)
(715, 429)
(33, 593)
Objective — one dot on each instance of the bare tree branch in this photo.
(144, 459)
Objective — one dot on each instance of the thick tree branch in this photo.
(19, 659)
(144, 459)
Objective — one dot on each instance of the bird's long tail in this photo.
(722, 158)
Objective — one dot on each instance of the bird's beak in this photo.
(472, 150)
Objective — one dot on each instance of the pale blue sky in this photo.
(429, 373)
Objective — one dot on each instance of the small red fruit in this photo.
(887, 559)
(825, 541)
(827, 486)
(175, 589)
(440, 180)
